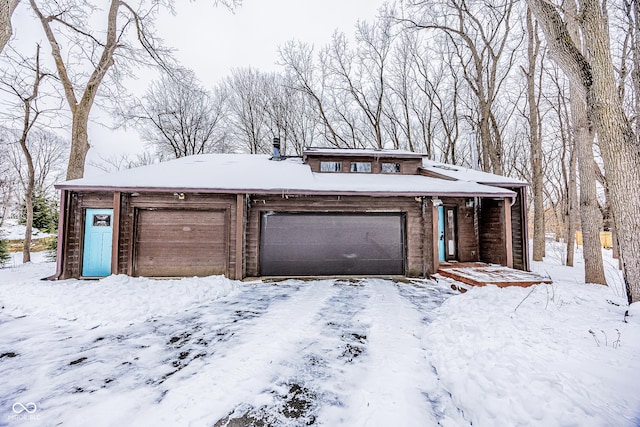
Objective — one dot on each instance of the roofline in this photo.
(373, 153)
(491, 184)
(284, 191)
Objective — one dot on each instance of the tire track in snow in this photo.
(247, 364)
(390, 385)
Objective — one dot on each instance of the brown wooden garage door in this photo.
(180, 243)
(301, 244)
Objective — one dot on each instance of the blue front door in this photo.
(441, 254)
(98, 231)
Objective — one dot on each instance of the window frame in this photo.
(336, 169)
(396, 165)
(352, 164)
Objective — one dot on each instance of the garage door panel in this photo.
(173, 243)
(331, 244)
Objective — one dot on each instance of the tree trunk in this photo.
(572, 196)
(590, 215)
(80, 146)
(6, 10)
(537, 185)
(618, 144)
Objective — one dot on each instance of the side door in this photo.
(98, 232)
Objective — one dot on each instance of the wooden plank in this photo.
(506, 224)
(115, 232)
(240, 230)
(170, 243)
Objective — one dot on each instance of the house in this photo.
(329, 212)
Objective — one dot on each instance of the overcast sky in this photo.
(213, 40)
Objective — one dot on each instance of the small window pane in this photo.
(361, 167)
(390, 168)
(101, 220)
(330, 167)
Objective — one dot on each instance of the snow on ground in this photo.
(11, 230)
(372, 352)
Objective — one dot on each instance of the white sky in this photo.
(213, 40)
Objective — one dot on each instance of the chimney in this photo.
(276, 149)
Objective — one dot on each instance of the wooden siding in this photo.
(491, 232)
(481, 229)
(414, 262)
(180, 242)
(79, 201)
(407, 166)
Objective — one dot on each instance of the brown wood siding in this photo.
(180, 242)
(491, 225)
(517, 234)
(78, 202)
(407, 166)
(192, 201)
(412, 208)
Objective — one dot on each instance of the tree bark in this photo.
(618, 144)
(572, 199)
(537, 184)
(6, 10)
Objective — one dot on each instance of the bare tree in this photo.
(481, 34)
(27, 92)
(594, 77)
(248, 118)
(87, 49)
(533, 50)
(177, 117)
(311, 80)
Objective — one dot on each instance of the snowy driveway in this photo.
(329, 352)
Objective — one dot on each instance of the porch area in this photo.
(481, 274)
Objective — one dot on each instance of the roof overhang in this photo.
(287, 191)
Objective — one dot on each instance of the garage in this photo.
(324, 244)
(179, 243)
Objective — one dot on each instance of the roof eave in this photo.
(286, 191)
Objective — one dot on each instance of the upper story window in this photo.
(390, 167)
(330, 166)
(361, 167)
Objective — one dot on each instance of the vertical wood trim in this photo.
(239, 236)
(132, 237)
(508, 242)
(62, 236)
(115, 232)
(434, 237)
(423, 234)
(525, 228)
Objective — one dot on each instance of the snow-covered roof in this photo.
(257, 174)
(357, 152)
(470, 175)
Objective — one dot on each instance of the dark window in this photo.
(364, 167)
(101, 220)
(330, 167)
(390, 168)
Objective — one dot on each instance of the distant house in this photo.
(330, 212)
